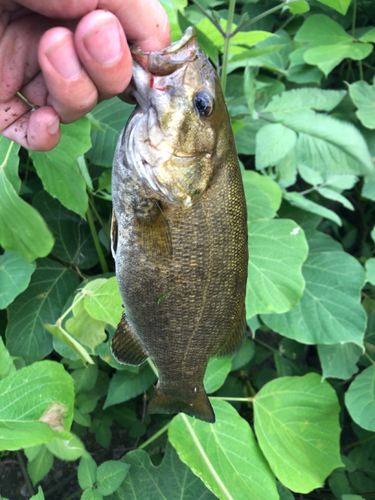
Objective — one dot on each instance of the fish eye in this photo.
(204, 103)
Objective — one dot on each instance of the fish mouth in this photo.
(165, 61)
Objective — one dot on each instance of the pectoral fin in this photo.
(153, 232)
(235, 339)
(114, 235)
(125, 345)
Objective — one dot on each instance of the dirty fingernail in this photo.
(54, 125)
(103, 43)
(64, 59)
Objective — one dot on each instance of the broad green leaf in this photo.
(39, 495)
(73, 239)
(310, 176)
(89, 331)
(36, 404)
(330, 194)
(277, 249)
(250, 38)
(69, 449)
(216, 373)
(9, 161)
(328, 145)
(40, 465)
(172, 479)
(110, 475)
(6, 364)
(15, 274)
(91, 494)
(323, 30)
(111, 116)
(58, 332)
(284, 493)
(273, 142)
(291, 101)
(224, 455)
(339, 5)
(245, 138)
(297, 426)
(22, 228)
(266, 184)
(258, 203)
(42, 302)
(87, 471)
(363, 96)
(360, 399)
(339, 360)
(327, 57)
(304, 73)
(330, 310)
(368, 190)
(105, 303)
(85, 378)
(126, 385)
(244, 355)
(370, 270)
(249, 87)
(300, 201)
(286, 170)
(59, 171)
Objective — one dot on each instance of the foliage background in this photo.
(296, 405)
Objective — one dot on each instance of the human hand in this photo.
(63, 56)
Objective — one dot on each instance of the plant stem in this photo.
(155, 436)
(25, 473)
(360, 70)
(225, 398)
(208, 15)
(153, 367)
(103, 224)
(61, 318)
(227, 38)
(95, 237)
(74, 495)
(264, 14)
(356, 443)
(369, 358)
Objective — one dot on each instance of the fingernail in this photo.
(103, 43)
(64, 59)
(54, 125)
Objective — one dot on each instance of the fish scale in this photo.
(181, 253)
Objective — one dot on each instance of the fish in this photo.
(179, 226)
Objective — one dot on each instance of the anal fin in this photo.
(125, 345)
(235, 338)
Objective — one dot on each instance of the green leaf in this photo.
(59, 171)
(330, 310)
(244, 355)
(6, 364)
(339, 360)
(370, 270)
(86, 329)
(9, 161)
(73, 239)
(339, 5)
(126, 385)
(224, 455)
(299, 7)
(39, 466)
(363, 96)
(360, 399)
(36, 404)
(295, 100)
(105, 303)
(69, 449)
(15, 274)
(42, 302)
(110, 475)
(327, 57)
(216, 373)
(22, 228)
(323, 30)
(328, 145)
(85, 378)
(335, 196)
(258, 203)
(91, 495)
(299, 201)
(277, 249)
(39, 495)
(273, 142)
(87, 470)
(58, 332)
(250, 38)
(172, 479)
(111, 116)
(297, 426)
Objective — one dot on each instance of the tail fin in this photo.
(197, 406)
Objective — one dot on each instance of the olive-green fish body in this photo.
(180, 232)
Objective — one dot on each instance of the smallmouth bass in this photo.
(179, 230)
